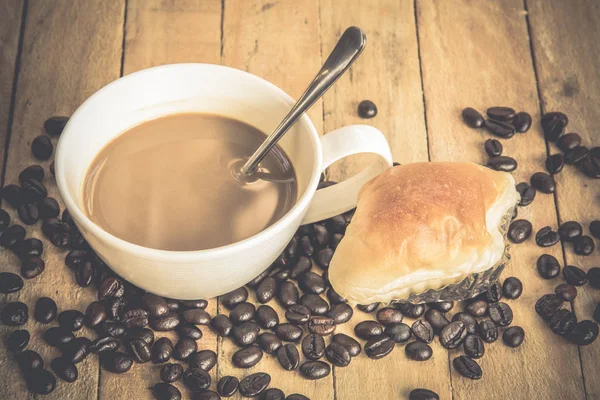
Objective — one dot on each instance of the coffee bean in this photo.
(140, 350)
(487, 331)
(45, 310)
(443, 306)
(502, 163)
(473, 346)
(95, 314)
(266, 290)
(11, 236)
(40, 381)
(28, 213)
(315, 304)
(111, 287)
(103, 344)
(467, 367)
(597, 313)
(233, 298)
(14, 314)
(335, 240)
(543, 182)
(297, 314)
(410, 310)
(584, 333)
(222, 325)
(29, 360)
(161, 350)
(553, 125)
(254, 384)
(513, 336)
(10, 283)
(227, 386)
(269, 342)
(57, 336)
(311, 282)
(583, 245)
(166, 322)
(399, 333)
(115, 308)
(494, 293)
(288, 357)
(368, 329)
(519, 230)
(453, 334)
(305, 246)
(477, 308)
(501, 113)
(26, 248)
(501, 129)
(54, 126)
(562, 322)
(281, 275)
(472, 117)
(315, 370)
(368, 308)
(591, 166)
(324, 257)
(42, 147)
(593, 276)
(512, 288)
(245, 333)
(77, 257)
(321, 325)
(500, 313)
(493, 147)
(546, 237)
(570, 230)
(555, 163)
(568, 141)
(273, 394)
(17, 340)
(242, 312)
(469, 321)
(32, 172)
(154, 305)
(12, 195)
(321, 235)
(33, 191)
(379, 346)
(198, 316)
(4, 219)
(576, 155)
(196, 379)
(567, 292)
(32, 267)
(418, 351)
(342, 313)
(595, 229)
(548, 266)
(574, 276)
(135, 318)
(76, 350)
(259, 278)
(436, 319)
(204, 359)
(288, 332)
(184, 348)
(423, 331)
(388, 316)
(547, 305)
(522, 122)
(166, 391)
(337, 224)
(64, 369)
(423, 394)
(339, 355)
(367, 109)
(57, 232)
(288, 294)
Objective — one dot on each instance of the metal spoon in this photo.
(347, 49)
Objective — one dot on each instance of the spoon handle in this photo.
(347, 49)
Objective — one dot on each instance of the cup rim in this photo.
(151, 253)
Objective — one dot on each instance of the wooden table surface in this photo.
(425, 60)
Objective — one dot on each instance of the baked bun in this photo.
(423, 226)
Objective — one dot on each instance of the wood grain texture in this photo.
(278, 41)
(62, 64)
(565, 44)
(476, 53)
(165, 32)
(388, 74)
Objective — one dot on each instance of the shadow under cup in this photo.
(171, 89)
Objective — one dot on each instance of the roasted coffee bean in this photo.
(302, 265)
(227, 386)
(501, 129)
(41, 381)
(562, 322)
(502, 163)
(311, 282)
(198, 316)
(547, 305)
(399, 333)
(519, 230)
(105, 343)
(297, 314)
(512, 288)
(17, 340)
(32, 267)
(54, 126)
(436, 319)
(335, 240)
(254, 384)
(367, 109)
(555, 163)
(165, 391)
(77, 257)
(115, 308)
(282, 261)
(553, 125)
(166, 322)
(339, 355)
(241, 313)
(522, 122)
(379, 346)
(154, 305)
(423, 394)
(566, 292)
(324, 257)
(313, 345)
(269, 342)
(321, 235)
(315, 370)
(591, 166)
(266, 317)
(288, 357)
(576, 155)
(543, 182)
(443, 306)
(77, 350)
(288, 332)
(423, 331)
(161, 350)
(140, 350)
(469, 321)
(315, 304)
(245, 333)
(493, 147)
(11, 236)
(10, 283)
(273, 394)
(595, 229)
(527, 193)
(453, 334)
(548, 266)
(291, 250)
(58, 336)
(488, 331)
(288, 294)
(473, 346)
(368, 329)
(12, 195)
(334, 297)
(135, 318)
(42, 147)
(494, 293)
(584, 333)
(110, 287)
(513, 336)
(501, 113)
(583, 245)
(57, 232)
(477, 308)
(49, 208)
(500, 313)
(321, 325)
(33, 191)
(570, 230)
(472, 117)
(64, 369)
(418, 351)
(597, 313)
(222, 325)
(305, 246)
(95, 314)
(258, 279)
(281, 275)
(196, 379)
(204, 359)
(546, 237)
(266, 290)
(15, 314)
(29, 360)
(45, 310)
(593, 276)
(467, 367)
(247, 357)
(368, 308)
(233, 298)
(184, 348)
(574, 276)
(32, 172)
(28, 213)
(27, 248)
(568, 141)
(388, 316)
(410, 310)
(337, 224)
(342, 313)
(173, 305)
(4, 219)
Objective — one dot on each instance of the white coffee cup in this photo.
(215, 89)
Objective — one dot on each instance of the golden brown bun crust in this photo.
(415, 217)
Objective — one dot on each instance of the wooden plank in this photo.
(388, 74)
(68, 53)
(165, 32)
(565, 42)
(476, 53)
(278, 41)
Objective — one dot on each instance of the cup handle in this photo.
(353, 139)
